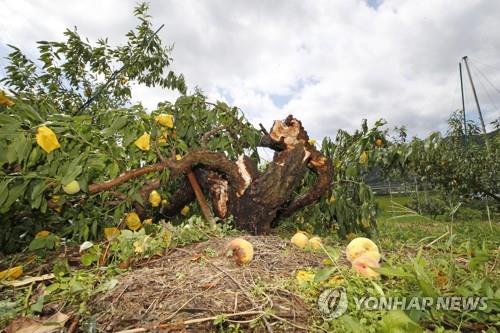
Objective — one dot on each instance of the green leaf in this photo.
(75, 286)
(137, 197)
(324, 274)
(117, 125)
(37, 193)
(38, 306)
(352, 325)
(88, 258)
(22, 146)
(392, 271)
(71, 174)
(397, 321)
(4, 193)
(50, 289)
(14, 193)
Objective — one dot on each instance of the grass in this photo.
(438, 258)
(421, 257)
(399, 228)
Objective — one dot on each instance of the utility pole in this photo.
(477, 104)
(463, 101)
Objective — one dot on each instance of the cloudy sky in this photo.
(329, 63)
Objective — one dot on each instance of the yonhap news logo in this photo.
(333, 303)
(447, 303)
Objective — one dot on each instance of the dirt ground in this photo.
(188, 288)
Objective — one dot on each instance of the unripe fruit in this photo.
(185, 211)
(72, 187)
(154, 198)
(363, 158)
(240, 250)
(133, 221)
(300, 240)
(314, 243)
(42, 234)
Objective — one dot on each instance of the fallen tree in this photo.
(256, 200)
(80, 157)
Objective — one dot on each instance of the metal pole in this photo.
(477, 104)
(463, 101)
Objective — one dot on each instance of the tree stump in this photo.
(256, 200)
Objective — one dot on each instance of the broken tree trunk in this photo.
(256, 200)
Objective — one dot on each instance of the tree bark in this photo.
(257, 201)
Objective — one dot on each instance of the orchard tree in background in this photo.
(459, 166)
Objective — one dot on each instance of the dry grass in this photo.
(188, 287)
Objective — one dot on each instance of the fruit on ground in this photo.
(46, 139)
(111, 233)
(11, 273)
(165, 119)
(240, 250)
(133, 221)
(143, 142)
(374, 255)
(314, 243)
(72, 187)
(154, 198)
(358, 246)
(364, 264)
(304, 277)
(300, 240)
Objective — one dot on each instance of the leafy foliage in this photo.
(82, 94)
(349, 207)
(460, 167)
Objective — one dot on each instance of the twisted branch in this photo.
(211, 160)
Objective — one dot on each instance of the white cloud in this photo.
(330, 63)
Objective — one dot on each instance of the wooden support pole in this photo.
(201, 198)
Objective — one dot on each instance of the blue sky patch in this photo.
(374, 3)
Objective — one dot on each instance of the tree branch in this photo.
(212, 160)
(322, 166)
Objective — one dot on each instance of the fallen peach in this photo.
(364, 264)
(300, 240)
(240, 250)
